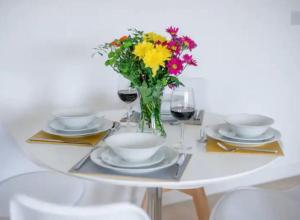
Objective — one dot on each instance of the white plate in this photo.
(213, 132)
(107, 124)
(109, 157)
(228, 133)
(57, 125)
(171, 157)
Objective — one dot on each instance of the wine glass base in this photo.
(182, 148)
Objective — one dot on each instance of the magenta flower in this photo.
(172, 30)
(188, 42)
(188, 59)
(175, 66)
(174, 46)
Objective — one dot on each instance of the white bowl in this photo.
(248, 125)
(76, 119)
(135, 147)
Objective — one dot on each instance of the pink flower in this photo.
(188, 42)
(174, 46)
(188, 59)
(172, 30)
(175, 66)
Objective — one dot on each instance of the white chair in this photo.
(258, 204)
(45, 185)
(26, 208)
(19, 175)
(13, 160)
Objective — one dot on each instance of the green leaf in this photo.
(107, 63)
(111, 54)
(127, 43)
(164, 82)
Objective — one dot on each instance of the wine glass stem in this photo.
(182, 135)
(128, 114)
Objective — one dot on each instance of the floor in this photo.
(185, 210)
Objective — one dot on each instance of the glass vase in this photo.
(150, 103)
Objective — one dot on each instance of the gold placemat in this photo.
(43, 137)
(212, 146)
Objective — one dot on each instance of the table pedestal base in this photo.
(199, 199)
(154, 196)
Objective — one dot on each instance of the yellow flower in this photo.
(156, 57)
(153, 37)
(141, 48)
(165, 52)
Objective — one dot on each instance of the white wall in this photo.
(248, 58)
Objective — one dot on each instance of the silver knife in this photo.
(82, 161)
(179, 163)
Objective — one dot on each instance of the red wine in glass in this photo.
(127, 96)
(182, 113)
(182, 108)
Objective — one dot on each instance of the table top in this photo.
(204, 168)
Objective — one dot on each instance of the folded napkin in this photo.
(43, 137)
(212, 146)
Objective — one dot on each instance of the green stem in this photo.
(150, 112)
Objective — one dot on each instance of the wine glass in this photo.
(182, 108)
(128, 95)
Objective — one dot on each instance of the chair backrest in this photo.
(27, 208)
(44, 185)
(13, 160)
(249, 203)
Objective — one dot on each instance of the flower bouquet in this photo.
(150, 62)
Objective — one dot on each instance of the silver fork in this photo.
(115, 127)
(231, 149)
(203, 137)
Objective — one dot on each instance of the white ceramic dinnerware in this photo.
(213, 131)
(170, 158)
(101, 124)
(226, 131)
(75, 119)
(109, 157)
(57, 125)
(249, 125)
(135, 147)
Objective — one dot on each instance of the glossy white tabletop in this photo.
(204, 168)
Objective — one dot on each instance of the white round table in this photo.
(204, 168)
